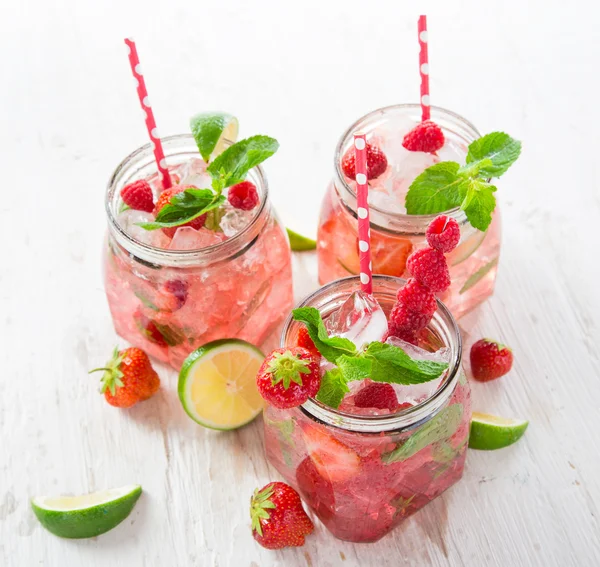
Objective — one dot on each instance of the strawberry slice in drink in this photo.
(332, 459)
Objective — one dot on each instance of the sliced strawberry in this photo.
(332, 459)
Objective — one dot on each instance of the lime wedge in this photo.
(217, 384)
(300, 243)
(490, 432)
(212, 131)
(88, 515)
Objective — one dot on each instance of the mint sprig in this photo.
(447, 185)
(380, 362)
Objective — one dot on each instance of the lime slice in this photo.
(217, 384)
(212, 131)
(88, 515)
(490, 432)
(300, 243)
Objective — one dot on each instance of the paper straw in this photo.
(424, 69)
(159, 155)
(364, 231)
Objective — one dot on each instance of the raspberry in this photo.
(306, 342)
(490, 360)
(376, 162)
(377, 395)
(424, 137)
(165, 198)
(429, 267)
(243, 196)
(176, 291)
(138, 196)
(416, 297)
(443, 234)
(401, 320)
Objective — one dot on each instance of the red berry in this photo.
(174, 295)
(376, 163)
(243, 196)
(417, 297)
(164, 199)
(490, 360)
(443, 234)
(429, 267)
(316, 489)
(424, 137)
(306, 342)
(377, 395)
(149, 329)
(278, 518)
(288, 377)
(402, 320)
(138, 196)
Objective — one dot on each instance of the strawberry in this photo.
(424, 137)
(490, 360)
(128, 378)
(332, 459)
(278, 518)
(165, 198)
(315, 489)
(149, 329)
(138, 196)
(288, 377)
(306, 342)
(376, 163)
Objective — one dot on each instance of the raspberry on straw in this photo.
(362, 211)
(424, 69)
(159, 155)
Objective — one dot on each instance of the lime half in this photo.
(300, 243)
(490, 432)
(217, 384)
(212, 131)
(88, 515)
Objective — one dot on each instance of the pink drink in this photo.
(169, 296)
(365, 470)
(394, 234)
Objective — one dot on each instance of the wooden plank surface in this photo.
(68, 114)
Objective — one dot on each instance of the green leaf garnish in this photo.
(381, 362)
(207, 129)
(447, 185)
(236, 161)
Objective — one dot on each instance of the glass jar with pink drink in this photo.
(394, 233)
(171, 290)
(362, 469)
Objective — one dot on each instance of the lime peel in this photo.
(490, 432)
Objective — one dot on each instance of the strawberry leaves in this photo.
(447, 185)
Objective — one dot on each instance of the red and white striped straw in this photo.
(159, 155)
(424, 69)
(362, 198)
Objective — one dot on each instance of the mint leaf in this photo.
(499, 148)
(354, 367)
(435, 190)
(391, 364)
(333, 388)
(237, 160)
(440, 427)
(478, 202)
(207, 128)
(330, 347)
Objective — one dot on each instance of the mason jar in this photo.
(473, 264)
(363, 475)
(236, 287)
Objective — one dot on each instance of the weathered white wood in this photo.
(68, 114)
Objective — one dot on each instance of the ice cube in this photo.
(360, 319)
(234, 220)
(188, 238)
(416, 393)
(129, 223)
(193, 172)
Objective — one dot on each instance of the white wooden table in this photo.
(68, 114)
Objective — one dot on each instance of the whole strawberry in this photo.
(376, 162)
(490, 360)
(128, 378)
(138, 196)
(288, 377)
(424, 137)
(165, 198)
(278, 518)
